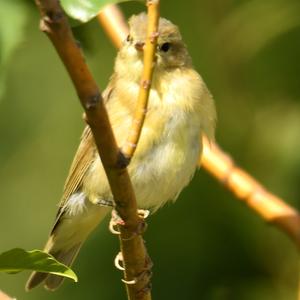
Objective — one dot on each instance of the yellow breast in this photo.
(169, 146)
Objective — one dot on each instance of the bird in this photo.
(180, 111)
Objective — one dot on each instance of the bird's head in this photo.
(171, 52)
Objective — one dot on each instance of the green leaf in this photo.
(17, 260)
(85, 10)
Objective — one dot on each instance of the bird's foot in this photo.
(142, 279)
(116, 220)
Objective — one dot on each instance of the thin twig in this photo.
(130, 145)
(55, 24)
(220, 165)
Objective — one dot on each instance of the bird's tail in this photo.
(70, 231)
(52, 282)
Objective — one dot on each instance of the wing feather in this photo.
(84, 156)
(82, 160)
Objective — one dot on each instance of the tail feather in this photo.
(52, 282)
(73, 226)
(35, 279)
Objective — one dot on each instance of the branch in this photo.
(4, 296)
(130, 145)
(246, 188)
(114, 24)
(55, 24)
(220, 165)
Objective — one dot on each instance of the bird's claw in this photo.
(114, 222)
(118, 260)
(144, 277)
(129, 282)
(143, 213)
(142, 225)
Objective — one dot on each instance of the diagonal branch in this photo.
(55, 24)
(4, 296)
(114, 24)
(246, 188)
(220, 165)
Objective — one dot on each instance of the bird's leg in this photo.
(103, 202)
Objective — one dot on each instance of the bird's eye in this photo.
(165, 47)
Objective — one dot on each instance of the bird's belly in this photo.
(161, 174)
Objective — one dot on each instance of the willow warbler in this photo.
(180, 110)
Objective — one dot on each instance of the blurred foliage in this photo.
(17, 260)
(208, 245)
(13, 15)
(86, 10)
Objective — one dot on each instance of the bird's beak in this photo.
(139, 46)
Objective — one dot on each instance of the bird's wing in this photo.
(81, 162)
(85, 154)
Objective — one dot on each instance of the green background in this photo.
(208, 245)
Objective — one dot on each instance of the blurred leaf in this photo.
(17, 260)
(85, 10)
(254, 24)
(13, 15)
